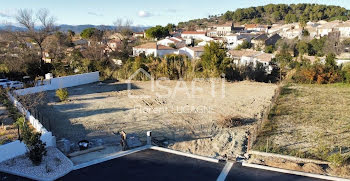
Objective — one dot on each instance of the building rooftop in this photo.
(266, 57)
(194, 32)
(197, 49)
(151, 45)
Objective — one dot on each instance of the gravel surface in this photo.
(54, 164)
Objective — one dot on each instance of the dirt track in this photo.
(186, 116)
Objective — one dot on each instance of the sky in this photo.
(140, 12)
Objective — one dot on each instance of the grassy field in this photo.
(310, 121)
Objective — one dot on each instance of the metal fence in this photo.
(46, 122)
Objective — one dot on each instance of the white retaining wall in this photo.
(11, 150)
(17, 148)
(62, 82)
(46, 136)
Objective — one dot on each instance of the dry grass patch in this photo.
(310, 121)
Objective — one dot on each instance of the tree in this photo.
(37, 32)
(89, 33)
(123, 27)
(214, 59)
(330, 61)
(305, 33)
(157, 32)
(283, 59)
(244, 45)
(303, 48)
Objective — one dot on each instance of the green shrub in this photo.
(62, 94)
(337, 159)
(36, 148)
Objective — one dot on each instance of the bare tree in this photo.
(38, 26)
(123, 27)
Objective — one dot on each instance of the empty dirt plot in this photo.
(310, 121)
(184, 113)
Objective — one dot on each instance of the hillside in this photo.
(75, 28)
(274, 13)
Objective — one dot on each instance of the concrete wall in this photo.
(11, 150)
(18, 148)
(62, 82)
(46, 136)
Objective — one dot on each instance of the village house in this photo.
(233, 40)
(263, 40)
(344, 29)
(192, 52)
(113, 45)
(178, 42)
(138, 35)
(223, 30)
(289, 31)
(256, 27)
(152, 49)
(194, 35)
(325, 29)
(247, 57)
(212, 33)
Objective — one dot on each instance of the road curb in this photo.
(185, 154)
(110, 157)
(324, 177)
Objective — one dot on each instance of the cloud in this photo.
(171, 10)
(6, 14)
(94, 14)
(144, 14)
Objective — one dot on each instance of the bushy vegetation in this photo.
(244, 45)
(321, 73)
(36, 148)
(273, 13)
(214, 63)
(62, 94)
(159, 31)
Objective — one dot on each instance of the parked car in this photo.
(12, 85)
(3, 82)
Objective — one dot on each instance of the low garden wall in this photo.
(18, 148)
(11, 150)
(62, 82)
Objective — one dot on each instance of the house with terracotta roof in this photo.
(153, 49)
(177, 41)
(192, 52)
(247, 57)
(113, 44)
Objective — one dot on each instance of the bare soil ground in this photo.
(187, 118)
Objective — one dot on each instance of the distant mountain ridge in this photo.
(77, 28)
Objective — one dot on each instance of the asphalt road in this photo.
(155, 165)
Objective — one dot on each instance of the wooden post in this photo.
(267, 145)
(123, 141)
